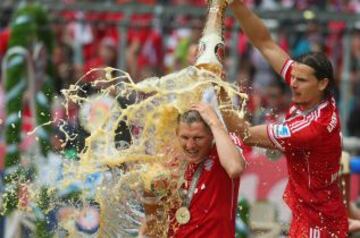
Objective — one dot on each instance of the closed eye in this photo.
(301, 79)
(293, 78)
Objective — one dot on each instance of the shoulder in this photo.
(327, 115)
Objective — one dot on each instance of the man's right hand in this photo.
(229, 2)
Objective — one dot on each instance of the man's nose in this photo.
(190, 144)
(293, 82)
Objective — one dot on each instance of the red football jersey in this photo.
(214, 203)
(311, 141)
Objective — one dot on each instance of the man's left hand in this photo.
(207, 113)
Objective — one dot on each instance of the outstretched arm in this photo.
(250, 135)
(259, 35)
(258, 136)
(231, 158)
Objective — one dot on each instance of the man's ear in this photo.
(323, 84)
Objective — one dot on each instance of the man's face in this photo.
(195, 140)
(306, 89)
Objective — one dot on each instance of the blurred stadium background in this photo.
(152, 38)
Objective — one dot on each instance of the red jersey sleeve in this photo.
(239, 144)
(286, 70)
(295, 134)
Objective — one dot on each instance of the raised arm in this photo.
(230, 156)
(259, 35)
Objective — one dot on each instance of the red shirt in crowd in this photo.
(311, 141)
(4, 40)
(214, 202)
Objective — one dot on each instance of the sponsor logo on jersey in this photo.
(282, 131)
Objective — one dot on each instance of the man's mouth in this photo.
(296, 94)
(191, 153)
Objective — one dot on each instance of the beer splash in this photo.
(135, 186)
(140, 180)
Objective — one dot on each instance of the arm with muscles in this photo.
(250, 135)
(280, 136)
(231, 158)
(258, 136)
(259, 35)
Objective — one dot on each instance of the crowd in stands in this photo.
(334, 5)
(86, 40)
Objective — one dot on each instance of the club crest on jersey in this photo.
(282, 131)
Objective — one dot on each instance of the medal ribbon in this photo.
(194, 182)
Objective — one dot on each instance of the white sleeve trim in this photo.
(270, 130)
(286, 67)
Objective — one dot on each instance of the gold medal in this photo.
(182, 215)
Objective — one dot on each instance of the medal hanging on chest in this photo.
(183, 214)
